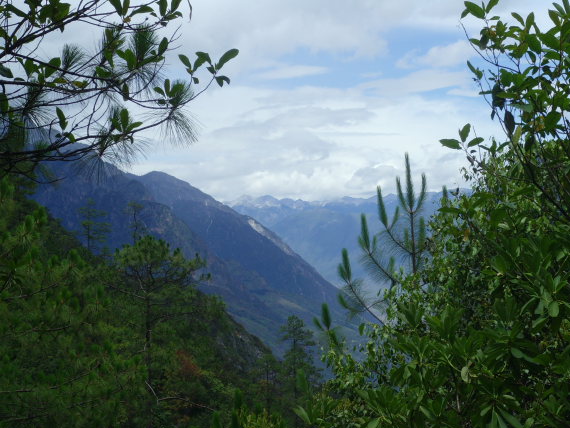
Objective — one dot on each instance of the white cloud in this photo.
(445, 56)
(319, 143)
(264, 135)
(269, 29)
(292, 71)
(418, 82)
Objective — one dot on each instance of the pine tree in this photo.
(137, 226)
(297, 358)
(399, 248)
(266, 372)
(159, 287)
(94, 230)
(98, 94)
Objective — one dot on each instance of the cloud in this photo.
(271, 132)
(371, 176)
(268, 30)
(419, 81)
(319, 142)
(442, 56)
(292, 71)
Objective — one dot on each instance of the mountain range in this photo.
(318, 231)
(259, 277)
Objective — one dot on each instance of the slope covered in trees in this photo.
(261, 280)
(80, 343)
(123, 339)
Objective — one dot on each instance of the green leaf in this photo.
(452, 144)
(475, 141)
(374, 423)
(464, 132)
(491, 5)
(163, 46)
(509, 122)
(550, 40)
(465, 374)
(142, 9)
(221, 79)
(6, 72)
(4, 105)
(534, 43)
(529, 108)
(125, 92)
(553, 309)
(475, 10)
(232, 53)
(302, 413)
(54, 64)
(478, 73)
(517, 135)
(554, 16)
(551, 120)
(516, 353)
(510, 419)
(162, 6)
(16, 11)
(117, 5)
(203, 57)
(184, 59)
(529, 423)
(318, 324)
(126, 5)
(499, 264)
(124, 118)
(326, 316)
(518, 18)
(174, 4)
(61, 118)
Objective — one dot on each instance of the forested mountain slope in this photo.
(260, 278)
(72, 337)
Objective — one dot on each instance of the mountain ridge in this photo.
(319, 230)
(259, 277)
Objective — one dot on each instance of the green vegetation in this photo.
(397, 244)
(94, 231)
(476, 332)
(124, 340)
(298, 358)
(479, 336)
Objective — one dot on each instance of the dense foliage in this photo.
(71, 349)
(480, 335)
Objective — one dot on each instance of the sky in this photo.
(327, 96)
